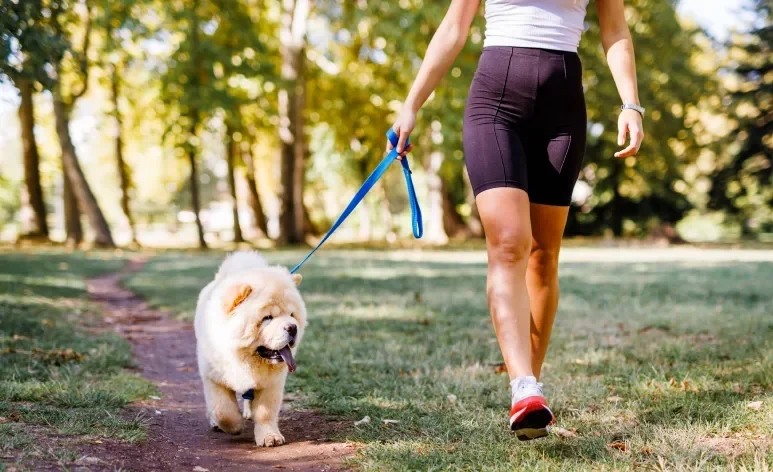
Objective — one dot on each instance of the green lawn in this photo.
(59, 382)
(654, 365)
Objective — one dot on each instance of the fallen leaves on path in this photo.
(619, 445)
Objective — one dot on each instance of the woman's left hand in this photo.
(629, 123)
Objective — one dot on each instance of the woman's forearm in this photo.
(445, 45)
(622, 64)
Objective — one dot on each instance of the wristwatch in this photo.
(632, 106)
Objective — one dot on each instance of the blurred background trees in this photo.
(190, 122)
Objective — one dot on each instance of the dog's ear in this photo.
(297, 279)
(234, 295)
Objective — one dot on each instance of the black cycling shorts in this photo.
(525, 123)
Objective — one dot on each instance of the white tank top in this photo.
(547, 24)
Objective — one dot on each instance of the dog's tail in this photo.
(239, 261)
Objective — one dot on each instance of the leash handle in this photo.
(373, 178)
(416, 220)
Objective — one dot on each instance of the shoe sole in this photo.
(533, 425)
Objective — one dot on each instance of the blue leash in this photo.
(378, 172)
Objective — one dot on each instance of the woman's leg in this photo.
(547, 227)
(504, 213)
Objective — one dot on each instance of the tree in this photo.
(743, 184)
(292, 102)
(24, 46)
(253, 197)
(232, 150)
(185, 91)
(72, 216)
(63, 104)
(37, 227)
(216, 68)
(115, 18)
(124, 173)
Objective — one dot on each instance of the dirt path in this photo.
(179, 437)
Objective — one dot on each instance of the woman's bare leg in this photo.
(504, 213)
(547, 227)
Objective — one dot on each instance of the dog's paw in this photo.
(268, 438)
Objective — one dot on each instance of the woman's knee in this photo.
(543, 261)
(510, 245)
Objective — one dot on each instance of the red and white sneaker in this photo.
(530, 415)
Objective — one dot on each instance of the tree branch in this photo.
(83, 56)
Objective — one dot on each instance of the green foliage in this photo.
(670, 87)
(743, 185)
(28, 43)
(667, 374)
(190, 67)
(218, 61)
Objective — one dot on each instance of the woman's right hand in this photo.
(403, 126)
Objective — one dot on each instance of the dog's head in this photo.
(266, 314)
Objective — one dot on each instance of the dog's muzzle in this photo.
(283, 355)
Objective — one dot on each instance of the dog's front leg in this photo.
(265, 413)
(222, 408)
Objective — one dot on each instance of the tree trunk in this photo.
(230, 156)
(253, 197)
(292, 99)
(36, 225)
(80, 187)
(194, 181)
(123, 170)
(435, 231)
(72, 215)
(194, 123)
(473, 222)
(453, 223)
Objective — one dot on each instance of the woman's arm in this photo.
(618, 47)
(448, 41)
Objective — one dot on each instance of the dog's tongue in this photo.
(287, 356)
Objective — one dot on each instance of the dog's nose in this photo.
(292, 330)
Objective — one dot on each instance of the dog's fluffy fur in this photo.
(244, 321)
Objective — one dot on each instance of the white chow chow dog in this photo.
(249, 322)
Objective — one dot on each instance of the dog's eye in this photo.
(292, 314)
(268, 318)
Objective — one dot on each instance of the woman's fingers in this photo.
(622, 130)
(401, 142)
(636, 134)
(401, 147)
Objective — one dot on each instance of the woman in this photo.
(524, 140)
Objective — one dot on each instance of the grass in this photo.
(59, 380)
(653, 365)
